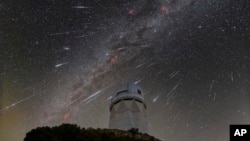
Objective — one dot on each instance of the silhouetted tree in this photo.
(39, 134)
(67, 132)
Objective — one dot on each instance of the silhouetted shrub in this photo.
(134, 130)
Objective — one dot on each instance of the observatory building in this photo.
(128, 108)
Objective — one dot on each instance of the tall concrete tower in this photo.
(128, 109)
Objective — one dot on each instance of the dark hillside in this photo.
(72, 132)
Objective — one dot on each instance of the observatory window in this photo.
(139, 92)
(138, 100)
(124, 91)
(128, 99)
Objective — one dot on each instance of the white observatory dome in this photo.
(128, 91)
(128, 108)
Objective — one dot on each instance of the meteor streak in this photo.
(61, 64)
(16, 103)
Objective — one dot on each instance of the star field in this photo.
(61, 61)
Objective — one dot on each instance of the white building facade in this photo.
(128, 109)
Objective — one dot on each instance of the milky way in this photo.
(62, 62)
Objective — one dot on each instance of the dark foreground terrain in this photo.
(72, 132)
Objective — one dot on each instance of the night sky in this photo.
(61, 61)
